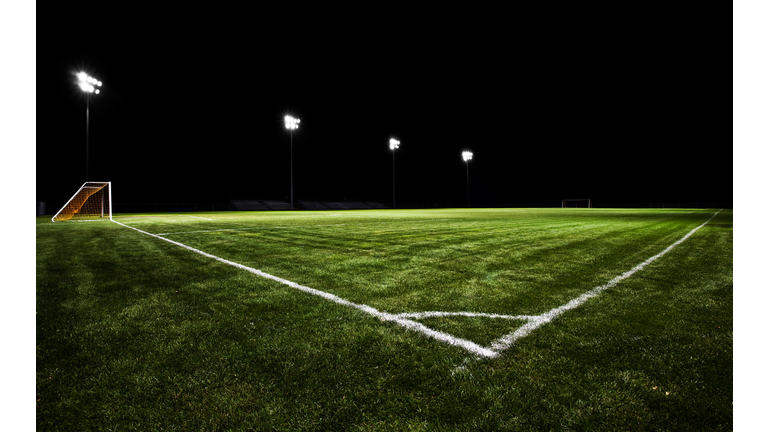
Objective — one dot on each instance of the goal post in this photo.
(581, 203)
(93, 201)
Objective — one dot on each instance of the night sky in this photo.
(619, 106)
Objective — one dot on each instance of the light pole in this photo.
(393, 145)
(87, 84)
(291, 124)
(467, 155)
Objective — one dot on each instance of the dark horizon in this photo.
(190, 113)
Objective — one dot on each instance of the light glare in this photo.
(466, 155)
(394, 144)
(84, 86)
(87, 83)
(291, 122)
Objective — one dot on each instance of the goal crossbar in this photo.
(588, 202)
(93, 201)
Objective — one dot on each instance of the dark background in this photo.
(617, 105)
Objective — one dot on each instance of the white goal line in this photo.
(501, 344)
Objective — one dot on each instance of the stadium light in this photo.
(291, 123)
(87, 84)
(467, 156)
(393, 145)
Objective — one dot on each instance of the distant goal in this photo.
(93, 201)
(577, 203)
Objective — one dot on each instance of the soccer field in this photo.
(454, 319)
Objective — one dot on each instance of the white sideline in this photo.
(402, 320)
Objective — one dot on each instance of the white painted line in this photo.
(508, 340)
(408, 324)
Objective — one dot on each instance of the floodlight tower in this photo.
(86, 84)
(393, 145)
(291, 124)
(467, 155)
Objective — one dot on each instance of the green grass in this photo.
(135, 333)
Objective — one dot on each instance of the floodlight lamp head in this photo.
(291, 123)
(466, 155)
(87, 83)
(394, 144)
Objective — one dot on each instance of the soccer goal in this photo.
(93, 201)
(582, 203)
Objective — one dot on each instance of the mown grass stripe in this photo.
(437, 314)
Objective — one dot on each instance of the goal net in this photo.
(93, 201)
(581, 203)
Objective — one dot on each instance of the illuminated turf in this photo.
(186, 313)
